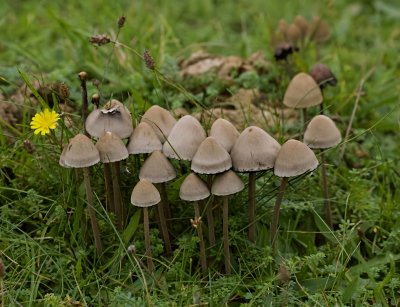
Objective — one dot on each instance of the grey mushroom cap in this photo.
(227, 183)
(211, 158)
(111, 148)
(113, 117)
(145, 194)
(254, 150)
(225, 133)
(295, 158)
(157, 168)
(143, 140)
(322, 133)
(193, 188)
(80, 152)
(302, 92)
(185, 138)
(160, 120)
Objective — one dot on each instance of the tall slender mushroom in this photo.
(144, 195)
(294, 159)
(226, 184)
(254, 150)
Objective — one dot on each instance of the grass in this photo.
(48, 260)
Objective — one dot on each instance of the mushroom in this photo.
(143, 140)
(81, 153)
(293, 34)
(254, 150)
(294, 159)
(322, 133)
(225, 133)
(323, 75)
(194, 189)
(302, 24)
(226, 184)
(145, 195)
(160, 120)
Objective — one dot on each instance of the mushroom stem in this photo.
(92, 214)
(109, 188)
(275, 214)
(164, 200)
(163, 222)
(203, 257)
(328, 211)
(305, 119)
(227, 255)
(85, 108)
(252, 206)
(210, 216)
(146, 226)
(117, 195)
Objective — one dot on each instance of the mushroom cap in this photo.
(113, 117)
(302, 24)
(227, 183)
(193, 188)
(143, 140)
(211, 158)
(319, 30)
(322, 132)
(302, 92)
(160, 120)
(80, 152)
(323, 75)
(145, 194)
(157, 168)
(254, 150)
(111, 148)
(62, 157)
(225, 133)
(293, 33)
(185, 137)
(294, 158)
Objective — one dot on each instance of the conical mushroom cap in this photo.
(157, 168)
(227, 183)
(225, 133)
(293, 33)
(211, 158)
(145, 194)
(302, 92)
(193, 188)
(143, 140)
(185, 138)
(319, 30)
(113, 117)
(254, 150)
(322, 132)
(302, 24)
(80, 152)
(160, 120)
(294, 159)
(111, 148)
(62, 157)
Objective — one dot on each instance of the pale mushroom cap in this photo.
(302, 92)
(80, 152)
(157, 168)
(111, 148)
(160, 120)
(185, 138)
(145, 194)
(193, 188)
(62, 157)
(225, 133)
(294, 159)
(211, 158)
(322, 132)
(113, 117)
(254, 150)
(227, 183)
(143, 140)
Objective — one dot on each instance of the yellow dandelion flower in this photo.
(44, 121)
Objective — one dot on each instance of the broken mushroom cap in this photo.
(157, 168)
(225, 133)
(113, 117)
(143, 140)
(80, 152)
(227, 183)
(145, 194)
(111, 148)
(302, 92)
(294, 158)
(185, 137)
(211, 158)
(193, 188)
(254, 150)
(323, 75)
(160, 120)
(322, 133)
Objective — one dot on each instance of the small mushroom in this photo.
(225, 133)
(323, 75)
(143, 140)
(160, 120)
